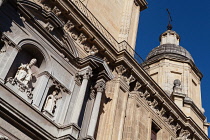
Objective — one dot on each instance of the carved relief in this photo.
(120, 69)
(137, 86)
(146, 94)
(176, 127)
(93, 50)
(168, 120)
(74, 34)
(152, 103)
(162, 111)
(49, 27)
(130, 79)
(183, 135)
(90, 50)
(56, 11)
(82, 38)
(68, 26)
(23, 77)
(46, 8)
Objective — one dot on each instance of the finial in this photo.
(169, 27)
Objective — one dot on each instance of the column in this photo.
(80, 98)
(100, 85)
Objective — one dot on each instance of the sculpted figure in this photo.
(50, 104)
(24, 73)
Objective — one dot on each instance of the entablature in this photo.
(142, 4)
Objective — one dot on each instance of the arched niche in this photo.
(24, 56)
(27, 65)
(52, 102)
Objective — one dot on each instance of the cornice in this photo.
(174, 58)
(142, 4)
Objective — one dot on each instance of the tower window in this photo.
(154, 131)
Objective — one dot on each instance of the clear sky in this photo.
(191, 20)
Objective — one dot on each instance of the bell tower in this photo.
(173, 68)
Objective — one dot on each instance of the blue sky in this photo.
(191, 20)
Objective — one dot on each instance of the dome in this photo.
(170, 50)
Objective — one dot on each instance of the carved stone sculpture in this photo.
(93, 50)
(120, 69)
(68, 26)
(23, 77)
(177, 86)
(50, 104)
(56, 11)
(137, 86)
(183, 135)
(82, 38)
(130, 79)
(49, 27)
(24, 73)
(176, 127)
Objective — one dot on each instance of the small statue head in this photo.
(32, 62)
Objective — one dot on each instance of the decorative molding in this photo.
(56, 11)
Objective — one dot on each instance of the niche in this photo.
(25, 68)
(52, 101)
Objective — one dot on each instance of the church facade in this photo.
(69, 71)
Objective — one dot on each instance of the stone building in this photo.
(69, 71)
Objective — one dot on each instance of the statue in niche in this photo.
(23, 77)
(50, 104)
(24, 73)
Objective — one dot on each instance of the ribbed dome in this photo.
(170, 50)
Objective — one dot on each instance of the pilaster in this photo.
(100, 85)
(86, 74)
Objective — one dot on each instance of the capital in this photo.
(100, 85)
(120, 69)
(87, 74)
